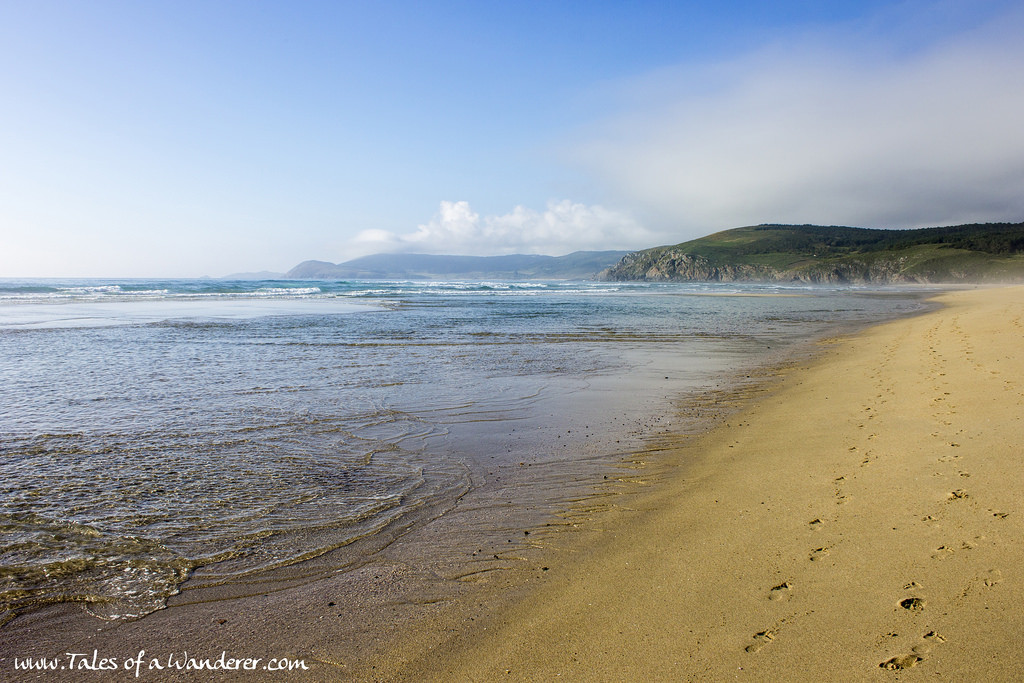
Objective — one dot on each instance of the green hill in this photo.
(989, 252)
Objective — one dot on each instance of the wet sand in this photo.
(861, 518)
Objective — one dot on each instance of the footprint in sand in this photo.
(993, 577)
(914, 604)
(916, 656)
(928, 641)
(818, 553)
(781, 592)
(904, 662)
(761, 639)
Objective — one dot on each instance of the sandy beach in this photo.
(860, 521)
(858, 517)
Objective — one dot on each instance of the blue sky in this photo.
(191, 138)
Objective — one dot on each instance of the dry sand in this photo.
(861, 521)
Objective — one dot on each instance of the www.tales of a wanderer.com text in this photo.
(141, 663)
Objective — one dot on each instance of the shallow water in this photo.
(152, 428)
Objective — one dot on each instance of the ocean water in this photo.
(152, 431)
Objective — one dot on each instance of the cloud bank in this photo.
(563, 227)
(827, 130)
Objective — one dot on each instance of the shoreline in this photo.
(285, 620)
(859, 519)
(400, 585)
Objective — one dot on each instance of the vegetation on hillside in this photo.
(814, 253)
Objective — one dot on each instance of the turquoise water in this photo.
(150, 430)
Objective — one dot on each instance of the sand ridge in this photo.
(862, 522)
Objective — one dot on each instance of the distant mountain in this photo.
(986, 252)
(580, 265)
(260, 275)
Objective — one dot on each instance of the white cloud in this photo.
(563, 227)
(826, 131)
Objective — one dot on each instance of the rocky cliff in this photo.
(835, 255)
